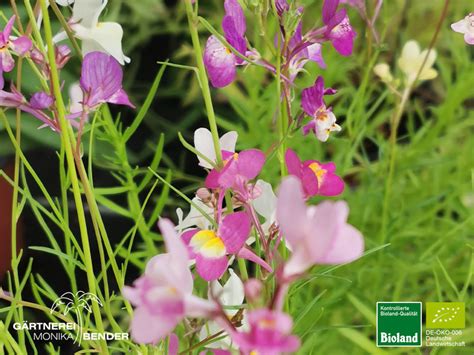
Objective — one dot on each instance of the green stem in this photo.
(193, 21)
(206, 93)
(69, 150)
(15, 215)
(280, 120)
(391, 169)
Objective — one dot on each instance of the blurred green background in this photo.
(426, 252)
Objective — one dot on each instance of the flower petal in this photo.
(332, 185)
(312, 97)
(173, 344)
(7, 61)
(228, 141)
(8, 28)
(342, 37)
(315, 54)
(204, 145)
(147, 328)
(87, 12)
(107, 36)
(179, 255)
(120, 98)
(234, 230)
(21, 45)
(234, 11)
(265, 203)
(293, 163)
(347, 246)
(291, 210)
(101, 77)
(461, 26)
(211, 268)
(310, 182)
(220, 63)
(198, 307)
(250, 162)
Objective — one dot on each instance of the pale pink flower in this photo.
(163, 295)
(316, 234)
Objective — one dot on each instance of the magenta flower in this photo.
(301, 52)
(163, 295)
(466, 27)
(316, 234)
(211, 249)
(338, 28)
(316, 178)
(323, 119)
(269, 334)
(39, 101)
(239, 169)
(219, 60)
(19, 45)
(101, 81)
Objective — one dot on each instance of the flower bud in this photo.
(253, 289)
(63, 54)
(37, 56)
(41, 100)
(382, 70)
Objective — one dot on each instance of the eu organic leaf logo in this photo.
(446, 314)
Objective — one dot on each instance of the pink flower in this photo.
(317, 178)
(239, 169)
(101, 81)
(39, 101)
(316, 234)
(323, 119)
(219, 60)
(338, 28)
(466, 27)
(19, 45)
(163, 295)
(303, 52)
(211, 249)
(269, 334)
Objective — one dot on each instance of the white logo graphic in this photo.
(76, 303)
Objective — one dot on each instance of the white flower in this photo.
(412, 59)
(194, 217)
(325, 124)
(265, 203)
(231, 294)
(95, 36)
(465, 26)
(205, 145)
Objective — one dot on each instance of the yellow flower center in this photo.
(318, 171)
(208, 244)
(234, 156)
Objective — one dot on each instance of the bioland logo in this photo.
(72, 304)
(398, 324)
